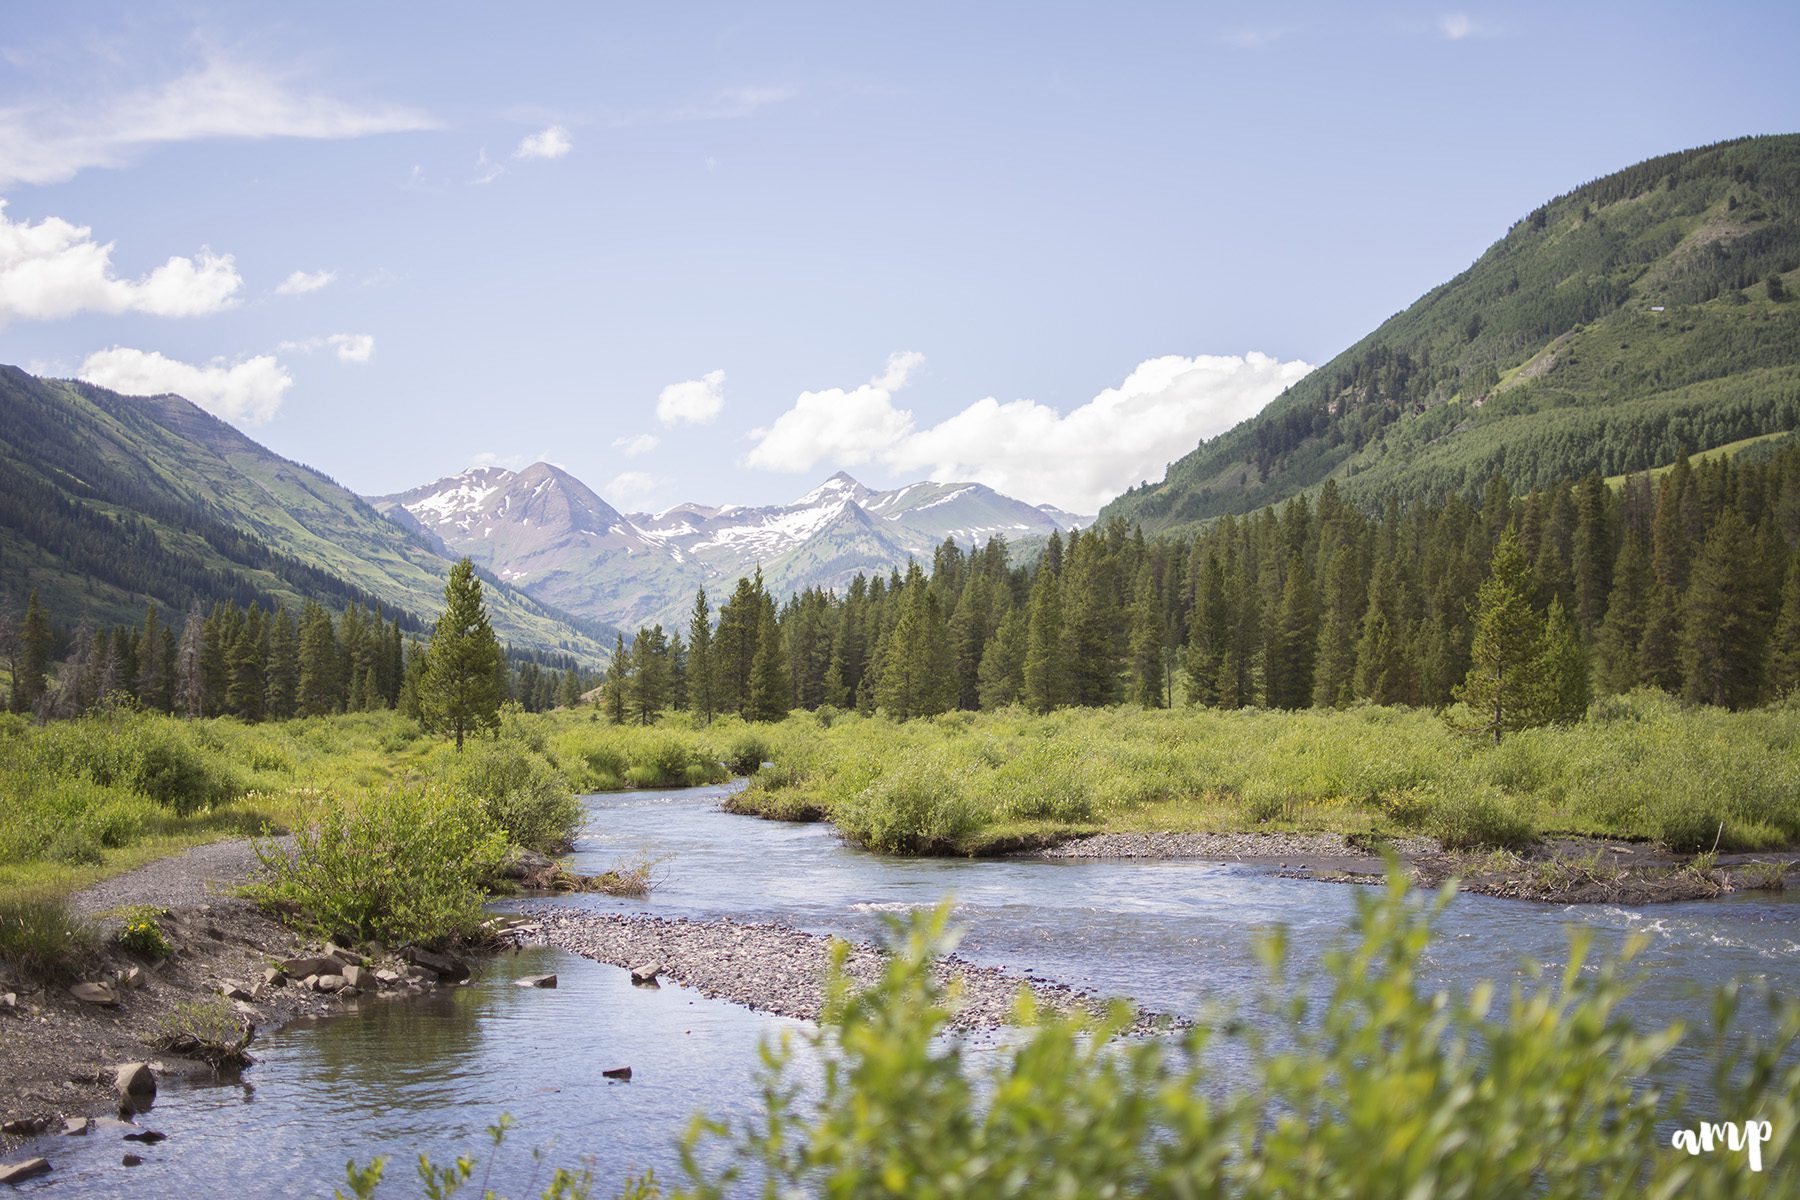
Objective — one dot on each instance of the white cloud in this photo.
(842, 427)
(550, 143)
(55, 269)
(51, 142)
(1456, 26)
(635, 447)
(350, 347)
(1076, 460)
(245, 393)
(302, 282)
(493, 458)
(693, 401)
(629, 487)
(734, 103)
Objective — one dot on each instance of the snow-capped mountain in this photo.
(549, 534)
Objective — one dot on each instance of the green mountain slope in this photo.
(107, 501)
(1609, 328)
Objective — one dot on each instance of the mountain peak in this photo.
(841, 486)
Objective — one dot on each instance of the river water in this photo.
(431, 1074)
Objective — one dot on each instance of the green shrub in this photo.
(210, 1030)
(407, 865)
(520, 791)
(746, 752)
(42, 939)
(918, 803)
(157, 757)
(1477, 818)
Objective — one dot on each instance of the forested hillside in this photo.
(1689, 582)
(1639, 315)
(108, 502)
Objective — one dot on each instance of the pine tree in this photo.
(1627, 611)
(319, 685)
(702, 697)
(1003, 662)
(1047, 683)
(1295, 640)
(460, 691)
(1659, 650)
(190, 681)
(616, 691)
(771, 690)
(1784, 646)
(152, 684)
(1725, 619)
(1384, 668)
(33, 677)
(1334, 665)
(248, 658)
(652, 676)
(1146, 648)
(1505, 685)
(1563, 669)
(283, 686)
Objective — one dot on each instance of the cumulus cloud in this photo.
(51, 142)
(1076, 460)
(839, 426)
(54, 269)
(549, 143)
(693, 401)
(302, 282)
(630, 487)
(350, 347)
(635, 447)
(245, 393)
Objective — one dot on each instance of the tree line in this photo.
(250, 662)
(1688, 582)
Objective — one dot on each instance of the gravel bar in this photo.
(777, 969)
(1227, 847)
(206, 874)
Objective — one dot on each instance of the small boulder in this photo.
(274, 977)
(309, 964)
(131, 978)
(329, 983)
(24, 1126)
(448, 969)
(387, 978)
(148, 1137)
(526, 864)
(358, 977)
(310, 983)
(135, 1081)
(95, 993)
(623, 1074)
(348, 958)
(76, 1126)
(537, 981)
(9, 1001)
(234, 991)
(132, 1160)
(19, 1172)
(646, 973)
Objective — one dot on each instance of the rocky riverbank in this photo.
(63, 1045)
(777, 969)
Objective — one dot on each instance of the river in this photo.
(431, 1074)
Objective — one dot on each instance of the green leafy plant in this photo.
(209, 1030)
(42, 939)
(141, 934)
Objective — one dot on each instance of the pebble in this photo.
(1225, 846)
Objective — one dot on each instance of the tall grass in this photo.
(1640, 766)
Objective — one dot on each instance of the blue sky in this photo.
(719, 252)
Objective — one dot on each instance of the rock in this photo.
(9, 1001)
(310, 964)
(310, 983)
(622, 1074)
(95, 993)
(386, 977)
(274, 977)
(135, 1081)
(349, 993)
(131, 1160)
(19, 1172)
(537, 981)
(358, 977)
(526, 864)
(25, 1126)
(348, 958)
(448, 969)
(328, 983)
(646, 973)
(234, 991)
(76, 1126)
(148, 1137)
(131, 978)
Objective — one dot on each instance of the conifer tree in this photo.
(702, 689)
(1563, 669)
(1505, 684)
(319, 684)
(771, 693)
(1627, 611)
(1295, 640)
(460, 692)
(283, 676)
(1046, 669)
(1003, 662)
(616, 690)
(1724, 620)
(1384, 669)
(151, 685)
(32, 679)
(1146, 642)
(1784, 646)
(1334, 665)
(190, 682)
(248, 658)
(652, 675)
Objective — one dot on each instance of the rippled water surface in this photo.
(431, 1074)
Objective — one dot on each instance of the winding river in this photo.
(431, 1074)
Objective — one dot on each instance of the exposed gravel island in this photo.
(781, 970)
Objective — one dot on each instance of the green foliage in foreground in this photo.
(1638, 766)
(1389, 1089)
(41, 940)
